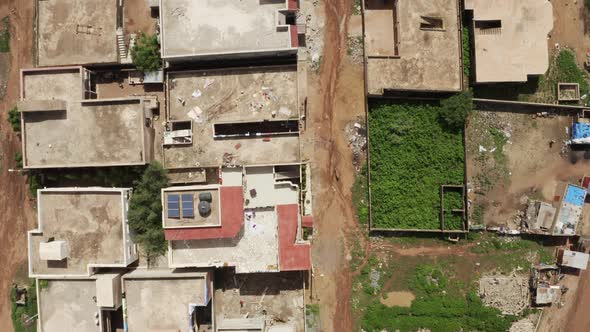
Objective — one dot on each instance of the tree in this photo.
(146, 53)
(14, 119)
(454, 110)
(145, 210)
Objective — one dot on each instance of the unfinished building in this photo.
(412, 45)
(63, 124)
(80, 230)
(245, 116)
(71, 32)
(252, 220)
(206, 29)
(514, 30)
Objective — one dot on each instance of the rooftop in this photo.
(196, 28)
(76, 32)
(163, 301)
(100, 132)
(515, 30)
(181, 206)
(412, 45)
(578, 260)
(262, 238)
(570, 210)
(244, 98)
(68, 305)
(91, 221)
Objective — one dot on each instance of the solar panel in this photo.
(188, 206)
(173, 208)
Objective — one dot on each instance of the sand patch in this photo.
(399, 299)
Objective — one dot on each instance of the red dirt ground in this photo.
(18, 214)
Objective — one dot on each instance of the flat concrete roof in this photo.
(76, 32)
(426, 59)
(256, 246)
(90, 220)
(163, 303)
(88, 133)
(208, 27)
(56, 83)
(519, 47)
(68, 305)
(232, 96)
(212, 219)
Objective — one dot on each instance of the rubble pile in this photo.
(510, 294)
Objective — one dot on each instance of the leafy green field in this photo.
(413, 153)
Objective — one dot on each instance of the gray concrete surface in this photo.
(161, 303)
(67, 305)
(517, 49)
(428, 59)
(45, 85)
(91, 224)
(232, 96)
(255, 249)
(201, 27)
(87, 134)
(62, 32)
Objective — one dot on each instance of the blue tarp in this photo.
(580, 130)
(575, 195)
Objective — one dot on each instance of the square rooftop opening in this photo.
(195, 206)
(92, 223)
(412, 45)
(62, 129)
(242, 96)
(164, 301)
(77, 32)
(68, 305)
(206, 28)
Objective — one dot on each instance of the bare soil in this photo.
(138, 17)
(336, 98)
(570, 28)
(399, 299)
(527, 167)
(18, 212)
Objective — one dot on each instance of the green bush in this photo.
(455, 110)
(466, 52)
(567, 70)
(145, 210)
(18, 159)
(413, 153)
(28, 310)
(14, 119)
(146, 53)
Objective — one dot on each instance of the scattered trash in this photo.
(482, 149)
(196, 114)
(285, 111)
(196, 94)
(208, 82)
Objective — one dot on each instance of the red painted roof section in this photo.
(232, 219)
(586, 182)
(307, 221)
(292, 5)
(294, 38)
(292, 256)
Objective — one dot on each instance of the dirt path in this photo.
(17, 211)
(336, 99)
(569, 28)
(578, 318)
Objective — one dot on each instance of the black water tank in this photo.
(204, 208)
(206, 196)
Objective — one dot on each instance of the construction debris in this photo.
(510, 293)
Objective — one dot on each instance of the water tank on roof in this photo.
(206, 196)
(204, 208)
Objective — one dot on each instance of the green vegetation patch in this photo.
(466, 52)
(21, 314)
(437, 307)
(146, 53)
(5, 35)
(413, 153)
(14, 119)
(145, 210)
(360, 196)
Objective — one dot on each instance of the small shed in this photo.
(574, 259)
(108, 291)
(53, 250)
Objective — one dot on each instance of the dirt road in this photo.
(17, 211)
(336, 99)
